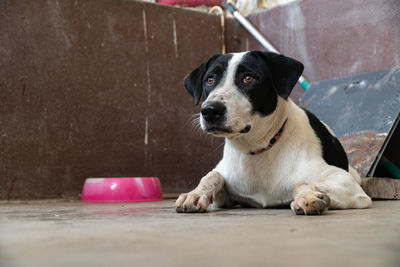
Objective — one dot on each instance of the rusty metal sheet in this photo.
(363, 111)
(362, 149)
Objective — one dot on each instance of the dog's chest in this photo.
(259, 178)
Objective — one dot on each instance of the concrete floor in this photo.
(152, 234)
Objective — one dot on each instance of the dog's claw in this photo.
(310, 204)
(192, 202)
(297, 209)
(325, 198)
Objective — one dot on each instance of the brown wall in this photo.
(79, 82)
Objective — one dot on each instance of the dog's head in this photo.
(236, 87)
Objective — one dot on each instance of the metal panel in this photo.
(333, 38)
(361, 110)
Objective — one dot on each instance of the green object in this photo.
(305, 84)
(390, 167)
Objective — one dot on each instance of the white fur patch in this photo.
(237, 105)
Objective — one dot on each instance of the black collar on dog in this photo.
(271, 142)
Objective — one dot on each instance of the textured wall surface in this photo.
(95, 88)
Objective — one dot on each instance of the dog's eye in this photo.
(210, 80)
(248, 79)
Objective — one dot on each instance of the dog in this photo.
(275, 153)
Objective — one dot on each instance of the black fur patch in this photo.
(260, 92)
(332, 151)
(273, 75)
(216, 70)
(196, 82)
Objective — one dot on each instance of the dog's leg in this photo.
(202, 196)
(336, 189)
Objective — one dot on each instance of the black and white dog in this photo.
(275, 153)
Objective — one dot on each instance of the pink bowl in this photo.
(127, 189)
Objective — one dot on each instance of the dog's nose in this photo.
(212, 112)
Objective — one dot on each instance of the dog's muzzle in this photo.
(214, 115)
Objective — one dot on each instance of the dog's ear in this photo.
(193, 81)
(285, 72)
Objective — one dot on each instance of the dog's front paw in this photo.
(310, 203)
(192, 202)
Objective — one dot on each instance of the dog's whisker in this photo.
(195, 124)
(218, 147)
